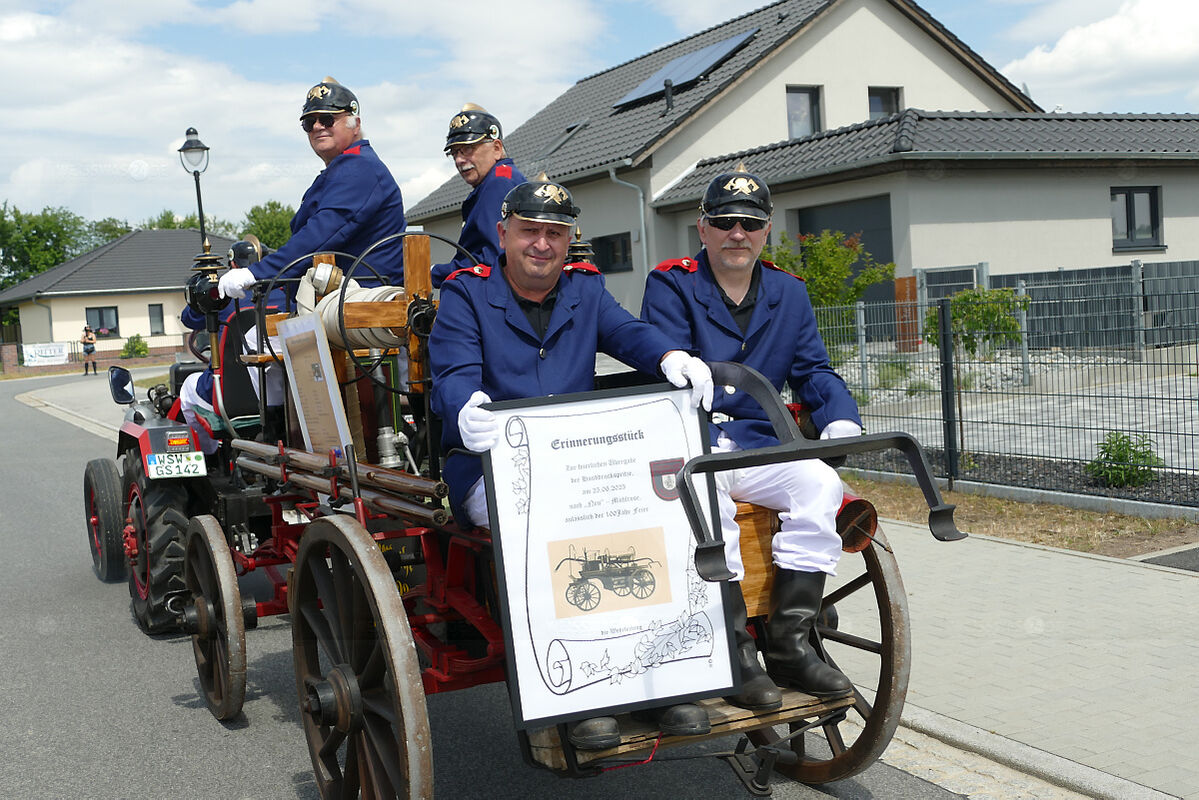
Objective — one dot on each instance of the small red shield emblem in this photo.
(665, 477)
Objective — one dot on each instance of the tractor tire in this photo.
(158, 512)
(103, 514)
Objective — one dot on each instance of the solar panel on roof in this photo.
(686, 68)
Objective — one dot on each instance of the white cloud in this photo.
(1049, 19)
(690, 16)
(118, 83)
(1141, 55)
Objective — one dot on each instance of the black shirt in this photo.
(538, 314)
(742, 312)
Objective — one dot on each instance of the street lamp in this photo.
(193, 155)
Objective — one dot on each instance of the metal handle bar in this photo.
(709, 551)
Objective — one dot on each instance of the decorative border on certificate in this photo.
(603, 610)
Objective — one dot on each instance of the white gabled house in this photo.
(627, 139)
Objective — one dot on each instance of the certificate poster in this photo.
(314, 386)
(603, 609)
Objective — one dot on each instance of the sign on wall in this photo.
(44, 353)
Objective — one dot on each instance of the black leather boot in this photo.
(597, 733)
(794, 604)
(758, 692)
(684, 719)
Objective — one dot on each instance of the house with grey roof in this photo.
(624, 139)
(131, 285)
(1022, 192)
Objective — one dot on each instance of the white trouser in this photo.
(189, 399)
(475, 505)
(807, 494)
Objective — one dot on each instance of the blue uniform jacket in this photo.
(353, 203)
(483, 341)
(683, 301)
(480, 213)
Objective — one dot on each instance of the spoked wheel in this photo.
(362, 700)
(872, 646)
(643, 583)
(214, 617)
(102, 512)
(584, 594)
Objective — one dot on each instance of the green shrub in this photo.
(890, 373)
(135, 347)
(1124, 460)
(919, 387)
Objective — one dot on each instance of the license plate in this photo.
(175, 465)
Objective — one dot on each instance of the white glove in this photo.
(841, 429)
(681, 369)
(479, 428)
(235, 282)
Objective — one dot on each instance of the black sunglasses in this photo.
(326, 121)
(748, 224)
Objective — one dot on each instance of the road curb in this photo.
(1030, 760)
(87, 423)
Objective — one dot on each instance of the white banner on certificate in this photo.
(605, 610)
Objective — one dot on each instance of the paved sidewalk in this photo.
(1078, 669)
(1087, 658)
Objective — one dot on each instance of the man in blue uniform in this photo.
(727, 305)
(527, 327)
(475, 142)
(353, 203)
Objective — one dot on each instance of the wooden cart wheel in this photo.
(584, 594)
(643, 583)
(214, 616)
(876, 655)
(362, 701)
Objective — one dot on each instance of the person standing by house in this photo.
(475, 142)
(728, 305)
(353, 203)
(88, 340)
(530, 326)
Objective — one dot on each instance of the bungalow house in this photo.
(625, 139)
(1019, 192)
(131, 285)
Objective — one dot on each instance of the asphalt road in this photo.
(93, 708)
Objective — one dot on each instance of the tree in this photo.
(167, 220)
(979, 319)
(103, 231)
(32, 243)
(827, 264)
(270, 222)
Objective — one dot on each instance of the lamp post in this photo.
(193, 155)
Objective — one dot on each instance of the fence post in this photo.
(948, 408)
(982, 274)
(1022, 321)
(863, 360)
(921, 292)
(1138, 308)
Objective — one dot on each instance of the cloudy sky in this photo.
(100, 92)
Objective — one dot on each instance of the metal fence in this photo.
(1085, 365)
